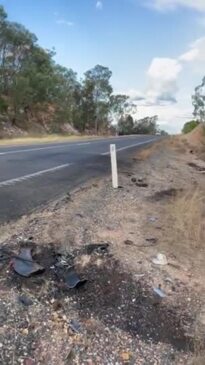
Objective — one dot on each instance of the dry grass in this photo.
(42, 139)
(146, 153)
(187, 213)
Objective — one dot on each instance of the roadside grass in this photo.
(43, 139)
(147, 152)
(187, 214)
(187, 238)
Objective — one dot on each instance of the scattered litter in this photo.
(152, 219)
(168, 280)
(142, 184)
(24, 265)
(160, 259)
(159, 292)
(197, 167)
(72, 279)
(152, 240)
(128, 242)
(100, 248)
(25, 300)
(75, 326)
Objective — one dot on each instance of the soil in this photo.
(116, 317)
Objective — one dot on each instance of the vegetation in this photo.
(146, 125)
(199, 102)
(31, 83)
(189, 126)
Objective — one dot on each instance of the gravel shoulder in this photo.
(116, 317)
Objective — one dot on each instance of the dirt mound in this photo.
(197, 136)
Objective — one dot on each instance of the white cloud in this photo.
(99, 5)
(162, 80)
(64, 22)
(196, 52)
(161, 5)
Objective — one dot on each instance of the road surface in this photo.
(31, 176)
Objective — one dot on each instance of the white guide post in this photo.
(114, 166)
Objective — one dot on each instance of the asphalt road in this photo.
(31, 176)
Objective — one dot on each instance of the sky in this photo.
(155, 48)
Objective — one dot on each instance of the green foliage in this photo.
(146, 125)
(189, 126)
(126, 125)
(199, 102)
(3, 106)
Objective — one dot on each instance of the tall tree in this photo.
(125, 125)
(199, 102)
(97, 91)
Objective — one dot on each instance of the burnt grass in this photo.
(114, 297)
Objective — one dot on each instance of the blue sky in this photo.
(155, 48)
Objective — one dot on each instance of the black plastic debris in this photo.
(24, 265)
(98, 247)
(72, 279)
(23, 299)
(75, 326)
(142, 184)
(128, 242)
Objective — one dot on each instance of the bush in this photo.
(189, 126)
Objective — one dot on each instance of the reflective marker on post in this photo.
(114, 166)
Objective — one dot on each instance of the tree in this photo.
(147, 125)
(96, 96)
(118, 104)
(189, 126)
(199, 102)
(125, 125)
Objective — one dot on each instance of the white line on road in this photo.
(129, 146)
(43, 148)
(30, 176)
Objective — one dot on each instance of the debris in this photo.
(168, 280)
(159, 292)
(158, 295)
(152, 240)
(152, 219)
(25, 300)
(142, 184)
(72, 279)
(160, 259)
(24, 265)
(75, 326)
(197, 167)
(99, 247)
(128, 242)
(133, 179)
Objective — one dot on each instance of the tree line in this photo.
(31, 83)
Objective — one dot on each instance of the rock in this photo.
(23, 299)
(125, 356)
(133, 179)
